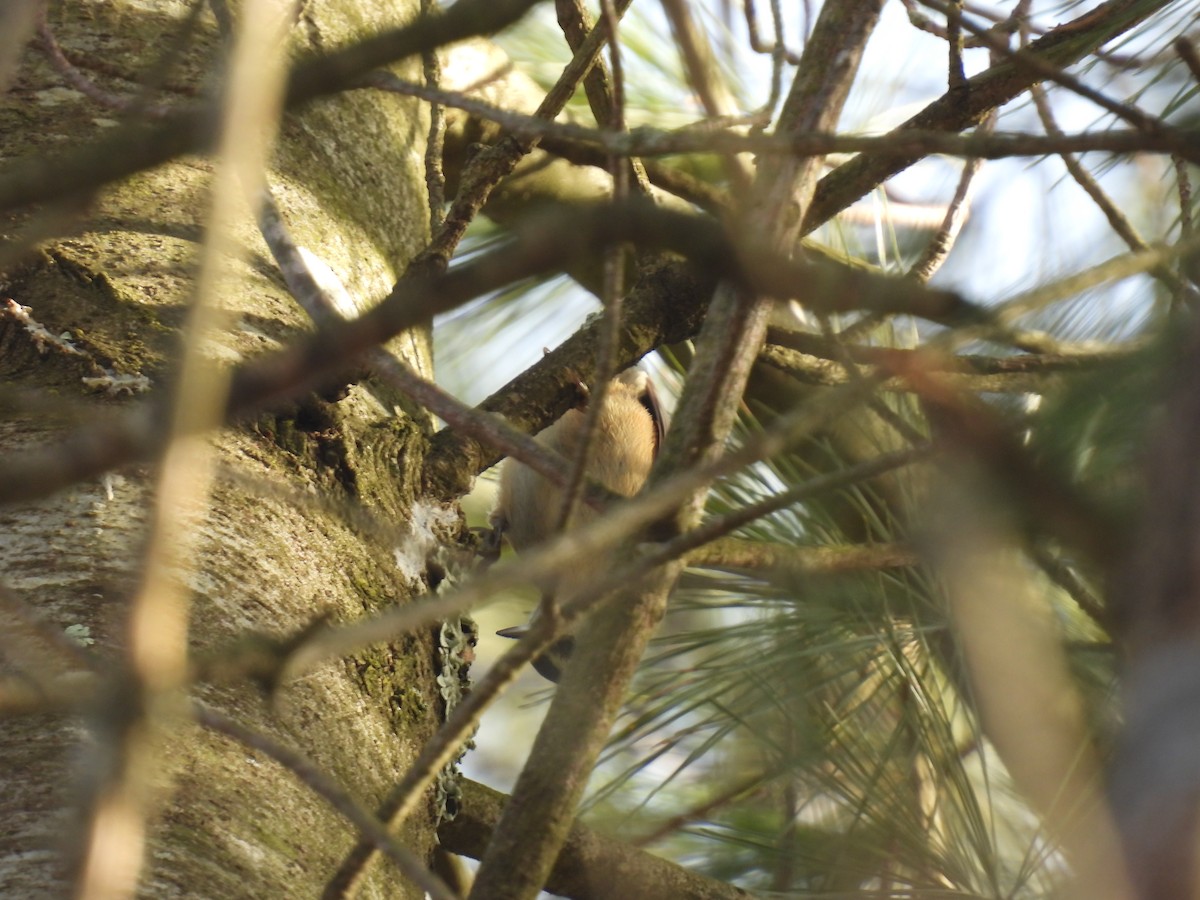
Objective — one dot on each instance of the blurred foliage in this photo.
(816, 733)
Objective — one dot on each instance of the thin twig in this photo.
(136, 105)
(988, 90)
(1062, 574)
(1023, 57)
(611, 294)
(575, 22)
(488, 168)
(703, 136)
(704, 76)
(757, 44)
(435, 178)
(739, 554)
(703, 810)
(938, 249)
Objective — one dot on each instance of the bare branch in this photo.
(649, 142)
(987, 91)
(588, 860)
(552, 781)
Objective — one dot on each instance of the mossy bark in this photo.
(274, 553)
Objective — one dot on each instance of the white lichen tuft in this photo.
(112, 383)
(42, 338)
(116, 383)
(456, 651)
(79, 634)
(428, 523)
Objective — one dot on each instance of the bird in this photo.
(625, 443)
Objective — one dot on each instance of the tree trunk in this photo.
(274, 551)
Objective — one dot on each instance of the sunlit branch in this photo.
(810, 360)
(942, 242)
(435, 178)
(575, 22)
(495, 163)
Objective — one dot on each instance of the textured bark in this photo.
(349, 180)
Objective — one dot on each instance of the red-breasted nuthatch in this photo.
(625, 442)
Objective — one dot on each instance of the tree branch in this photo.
(534, 825)
(985, 92)
(590, 866)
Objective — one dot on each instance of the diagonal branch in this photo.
(985, 92)
(588, 859)
(534, 825)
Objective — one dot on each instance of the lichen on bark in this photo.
(276, 549)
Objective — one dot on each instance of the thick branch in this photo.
(530, 833)
(590, 865)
